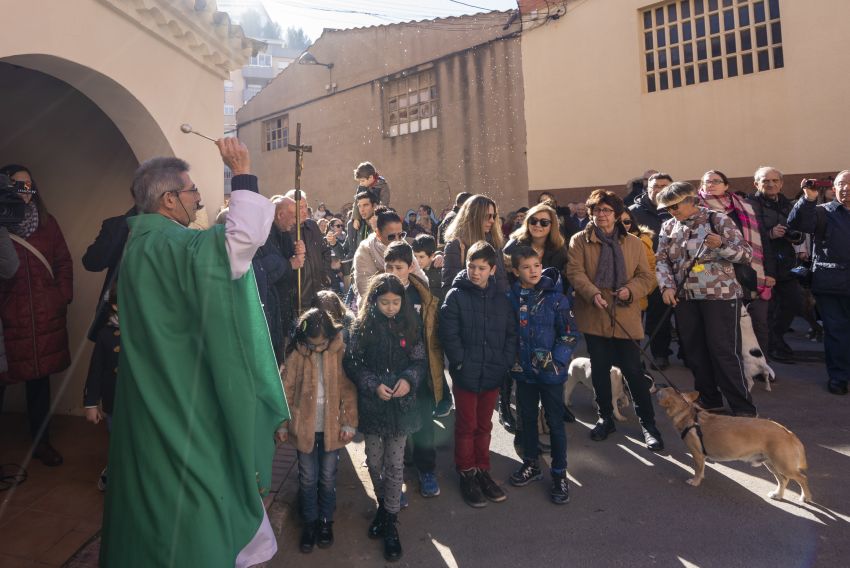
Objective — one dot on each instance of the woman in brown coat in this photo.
(608, 268)
(33, 308)
(323, 404)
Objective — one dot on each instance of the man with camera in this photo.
(772, 209)
(829, 225)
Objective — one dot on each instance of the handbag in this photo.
(744, 273)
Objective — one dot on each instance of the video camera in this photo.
(12, 206)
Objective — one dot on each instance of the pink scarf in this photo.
(729, 202)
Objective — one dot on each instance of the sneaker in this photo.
(652, 437)
(528, 472)
(470, 489)
(444, 408)
(403, 502)
(604, 426)
(101, 481)
(560, 492)
(428, 486)
(325, 536)
(490, 488)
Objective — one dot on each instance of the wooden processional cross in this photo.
(299, 150)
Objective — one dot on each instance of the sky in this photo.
(313, 16)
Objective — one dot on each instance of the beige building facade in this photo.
(615, 87)
(436, 105)
(91, 88)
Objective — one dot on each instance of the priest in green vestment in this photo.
(199, 395)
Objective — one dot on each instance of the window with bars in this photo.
(276, 133)
(411, 104)
(686, 42)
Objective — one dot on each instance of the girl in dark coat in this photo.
(387, 361)
(33, 308)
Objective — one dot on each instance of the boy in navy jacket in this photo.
(547, 338)
(478, 334)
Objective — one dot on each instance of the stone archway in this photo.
(83, 135)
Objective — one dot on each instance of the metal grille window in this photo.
(261, 60)
(686, 42)
(276, 133)
(411, 104)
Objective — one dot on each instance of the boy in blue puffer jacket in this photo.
(547, 338)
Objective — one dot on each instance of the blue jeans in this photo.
(317, 481)
(528, 396)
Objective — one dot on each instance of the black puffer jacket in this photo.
(384, 359)
(646, 213)
(478, 331)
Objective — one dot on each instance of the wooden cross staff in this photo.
(299, 150)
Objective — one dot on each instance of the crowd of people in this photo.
(303, 326)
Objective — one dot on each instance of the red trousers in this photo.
(473, 423)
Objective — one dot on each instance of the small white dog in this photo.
(755, 365)
(579, 372)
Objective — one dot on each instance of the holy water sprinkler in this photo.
(186, 128)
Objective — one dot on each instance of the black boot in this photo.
(604, 426)
(470, 489)
(308, 537)
(376, 529)
(325, 536)
(392, 544)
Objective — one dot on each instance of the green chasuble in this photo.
(198, 401)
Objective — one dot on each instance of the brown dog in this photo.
(728, 438)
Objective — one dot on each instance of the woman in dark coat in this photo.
(33, 308)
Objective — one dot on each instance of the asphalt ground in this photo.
(629, 507)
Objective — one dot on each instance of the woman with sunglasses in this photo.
(608, 269)
(694, 266)
(646, 235)
(541, 231)
(476, 220)
(369, 257)
(714, 194)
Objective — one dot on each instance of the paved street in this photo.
(629, 507)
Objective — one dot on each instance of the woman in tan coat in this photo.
(323, 404)
(608, 268)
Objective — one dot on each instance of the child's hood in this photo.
(336, 345)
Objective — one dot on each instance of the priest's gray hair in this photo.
(154, 178)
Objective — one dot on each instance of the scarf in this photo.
(30, 223)
(611, 268)
(729, 202)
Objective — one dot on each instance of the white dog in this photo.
(755, 365)
(579, 372)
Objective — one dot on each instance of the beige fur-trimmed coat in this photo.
(300, 382)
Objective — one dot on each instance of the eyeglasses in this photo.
(603, 211)
(193, 189)
(626, 222)
(541, 222)
(337, 226)
(396, 236)
(491, 216)
(713, 182)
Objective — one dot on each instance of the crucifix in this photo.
(299, 150)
